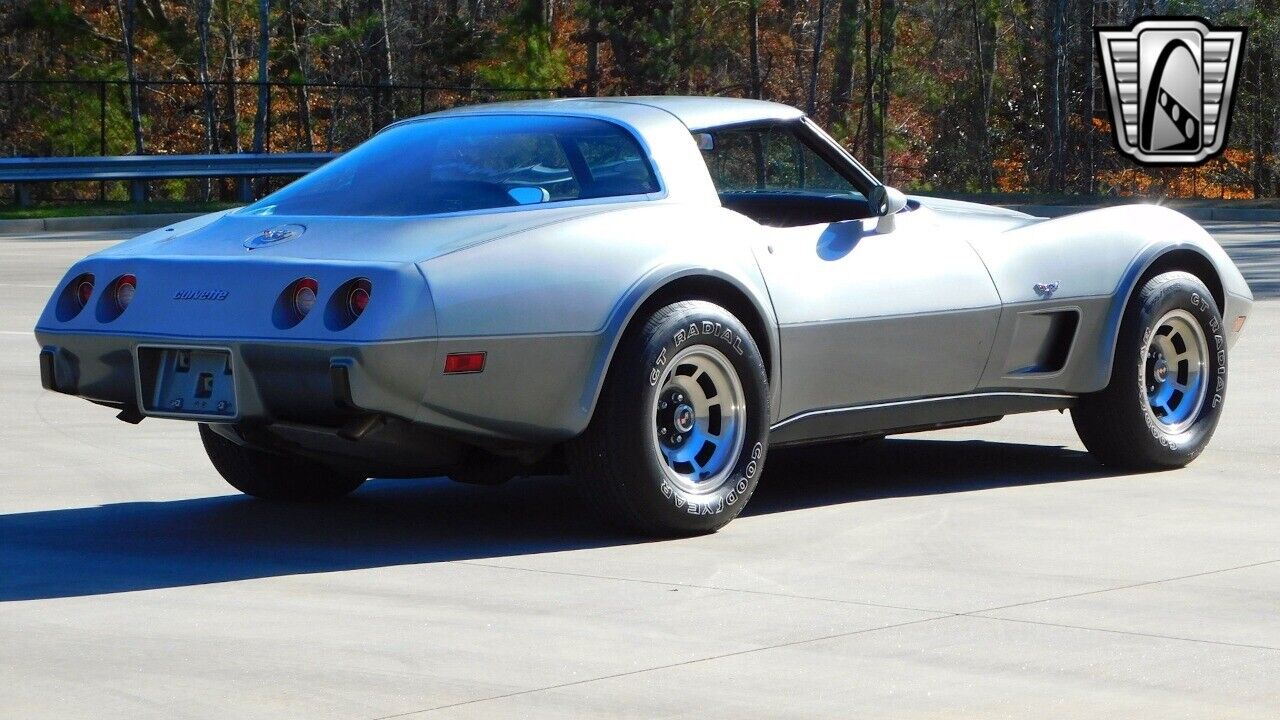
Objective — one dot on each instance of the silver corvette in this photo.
(647, 292)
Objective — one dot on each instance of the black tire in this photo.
(1114, 423)
(619, 460)
(274, 477)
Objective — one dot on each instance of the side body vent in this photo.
(1042, 341)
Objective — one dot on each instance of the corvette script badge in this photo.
(1170, 82)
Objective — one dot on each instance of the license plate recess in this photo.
(187, 382)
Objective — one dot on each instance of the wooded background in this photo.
(944, 95)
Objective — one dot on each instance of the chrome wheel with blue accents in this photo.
(1168, 379)
(699, 414)
(1173, 371)
(678, 439)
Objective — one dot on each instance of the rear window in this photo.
(477, 162)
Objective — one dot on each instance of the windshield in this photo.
(475, 162)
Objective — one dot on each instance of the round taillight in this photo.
(358, 298)
(304, 296)
(126, 288)
(84, 290)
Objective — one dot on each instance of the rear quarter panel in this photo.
(550, 305)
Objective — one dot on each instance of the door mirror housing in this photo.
(885, 202)
(529, 194)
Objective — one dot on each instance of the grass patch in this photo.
(88, 209)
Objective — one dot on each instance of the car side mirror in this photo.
(885, 202)
(529, 194)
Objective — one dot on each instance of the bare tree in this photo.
(264, 90)
(819, 33)
(593, 38)
(984, 50)
(753, 28)
(1055, 107)
(303, 66)
(386, 46)
(884, 59)
(128, 11)
(842, 83)
(230, 67)
(204, 8)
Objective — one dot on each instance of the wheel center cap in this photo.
(683, 418)
(1161, 372)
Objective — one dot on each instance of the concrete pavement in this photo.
(985, 572)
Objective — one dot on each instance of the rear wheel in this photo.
(271, 476)
(1168, 379)
(678, 439)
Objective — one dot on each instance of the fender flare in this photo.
(1146, 258)
(647, 287)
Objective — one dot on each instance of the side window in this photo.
(616, 165)
(771, 159)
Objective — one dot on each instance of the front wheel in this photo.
(678, 439)
(1168, 379)
(274, 477)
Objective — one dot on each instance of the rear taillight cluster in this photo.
(358, 296)
(125, 287)
(115, 300)
(347, 304)
(83, 289)
(304, 294)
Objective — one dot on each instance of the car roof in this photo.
(661, 123)
(696, 113)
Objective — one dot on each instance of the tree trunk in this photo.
(303, 67)
(888, 20)
(819, 35)
(868, 91)
(232, 66)
(1090, 151)
(128, 23)
(842, 83)
(386, 46)
(984, 41)
(1056, 105)
(264, 40)
(753, 27)
(1264, 115)
(593, 52)
(203, 10)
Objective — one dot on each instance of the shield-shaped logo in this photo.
(1170, 82)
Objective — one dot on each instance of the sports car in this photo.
(649, 293)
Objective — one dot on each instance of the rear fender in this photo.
(650, 287)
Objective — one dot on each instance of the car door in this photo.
(865, 317)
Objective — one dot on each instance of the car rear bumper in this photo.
(324, 384)
(534, 390)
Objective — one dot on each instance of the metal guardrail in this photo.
(139, 168)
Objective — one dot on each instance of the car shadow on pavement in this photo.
(122, 547)
(802, 477)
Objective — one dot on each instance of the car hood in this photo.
(989, 217)
(357, 239)
(961, 207)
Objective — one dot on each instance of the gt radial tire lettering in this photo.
(739, 485)
(708, 327)
(1205, 313)
(656, 373)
